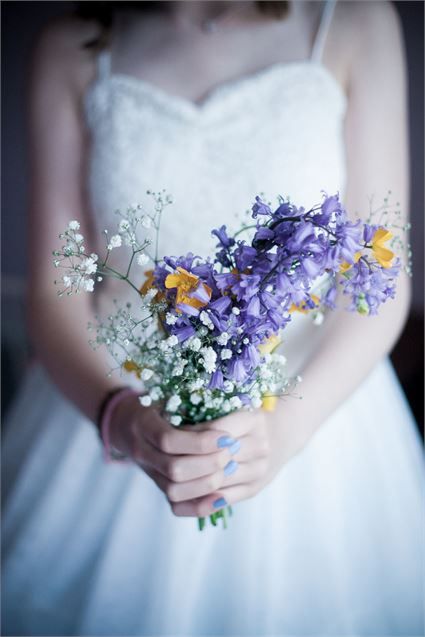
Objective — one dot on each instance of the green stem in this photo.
(120, 276)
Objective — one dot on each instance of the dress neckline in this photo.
(217, 93)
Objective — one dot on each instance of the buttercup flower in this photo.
(191, 291)
(381, 253)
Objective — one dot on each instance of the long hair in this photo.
(103, 13)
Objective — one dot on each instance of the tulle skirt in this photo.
(333, 546)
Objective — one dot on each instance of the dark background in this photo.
(21, 22)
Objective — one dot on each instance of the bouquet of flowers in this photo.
(202, 332)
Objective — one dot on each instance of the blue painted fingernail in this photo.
(225, 441)
(235, 447)
(219, 503)
(230, 468)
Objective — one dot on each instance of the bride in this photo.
(216, 102)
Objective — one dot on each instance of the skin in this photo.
(365, 53)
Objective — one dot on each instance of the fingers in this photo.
(171, 440)
(237, 424)
(186, 491)
(204, 506)
(202, 491)
(180, 468)
(252, 447)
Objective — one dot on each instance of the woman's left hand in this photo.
(268, 440)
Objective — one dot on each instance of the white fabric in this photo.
(333, 545)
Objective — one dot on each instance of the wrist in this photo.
(107, 409)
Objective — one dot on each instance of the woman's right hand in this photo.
(184, 464)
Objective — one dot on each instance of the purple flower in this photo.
(216, 380)
(369, 285)
(224, 240)
(264, 234)
(184, 332)
(246, 285)
(251, 356)
(284, 210)
(236, 370)
(220, 305)
(225, 281)
(331, 205)
(187, 309)
(260, 208)
(253, 308)
(330, 297)
(244, 257)
(368, 232)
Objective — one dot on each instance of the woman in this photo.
(214, 102)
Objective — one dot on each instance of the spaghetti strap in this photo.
(322, 31)
(103, 64)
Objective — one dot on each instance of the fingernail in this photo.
(235, 447)
(225, 441)
(230, 468)
(220, 502)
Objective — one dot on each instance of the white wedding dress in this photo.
(333, 545)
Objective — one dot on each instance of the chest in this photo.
(191, 63)
(277, 132)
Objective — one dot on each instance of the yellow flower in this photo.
(130, 366)
(148, 283)
(269, 403)
(269, 344)
(381, 253)
(186, 284)
(346, 266)
(302, 306)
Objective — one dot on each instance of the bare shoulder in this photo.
(372, 34)
(59, 54)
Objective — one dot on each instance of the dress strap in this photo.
(103, 64)
(322, 31)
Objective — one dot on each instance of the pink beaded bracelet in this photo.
(110, 454)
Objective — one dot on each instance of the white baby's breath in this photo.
(115, 242)
(88, 265)
(223, 338)
(194, 344)
(146, 400)
(87, 285)
(155, 393)
(228, 386)
(123, 225)
(142, 259)
(256, 402)
(318, 318)
(173, 403)
(235, 402)
(170, 319)
(205, 319)
(209, 358)
(196, 384)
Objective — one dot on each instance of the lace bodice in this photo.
(278, 131)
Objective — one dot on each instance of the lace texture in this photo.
(262, 133)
